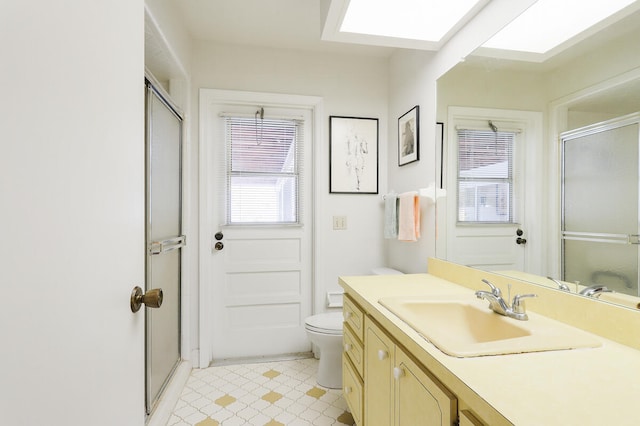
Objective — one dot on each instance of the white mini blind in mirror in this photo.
(485, 176)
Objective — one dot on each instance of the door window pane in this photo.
(485, 176)
(263, 170)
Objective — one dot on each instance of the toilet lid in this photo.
(329, 323)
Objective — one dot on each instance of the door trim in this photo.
(531, 123)
(209, 98)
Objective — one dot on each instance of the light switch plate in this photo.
(339, 223)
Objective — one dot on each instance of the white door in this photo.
(260, 274)
(72, 216)
(491, 197)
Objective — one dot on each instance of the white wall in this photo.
(613, 59)
(350, 86)
(411, 84)
(173, 50)
(168, 52)
(412, 78)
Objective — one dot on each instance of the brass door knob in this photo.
(151, 299)
(218, 246)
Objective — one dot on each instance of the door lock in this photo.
(151, 299)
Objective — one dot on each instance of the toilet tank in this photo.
(385, 271)
(334, 299)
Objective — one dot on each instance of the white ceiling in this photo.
(289, 24)
(297, 24)
(293, 24)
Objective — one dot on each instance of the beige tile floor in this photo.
(268, 393)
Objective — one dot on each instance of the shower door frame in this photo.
(153, 89)
(632, 239)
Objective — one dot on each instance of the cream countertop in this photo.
(597, 386)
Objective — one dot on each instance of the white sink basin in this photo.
(468, 328)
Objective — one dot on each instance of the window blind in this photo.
(485, 176)
(263, 170)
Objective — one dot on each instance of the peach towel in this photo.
(409, 216)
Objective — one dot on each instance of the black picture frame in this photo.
(409, 136)
(353, 155)
(440, 143)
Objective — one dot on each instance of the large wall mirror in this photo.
(507, 215)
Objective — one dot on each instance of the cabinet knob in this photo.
(347, 389)
(398, 373)
(347, 347)
(382, 354)
(347, 315)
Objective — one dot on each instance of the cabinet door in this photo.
(379, 354)
(468, 419)
(352, 387)
(420, 398)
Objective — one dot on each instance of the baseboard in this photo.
(259, 359)
(167, 402)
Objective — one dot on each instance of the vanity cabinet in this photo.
(397, 390)
(468, 419)
(353, 359)
(384, 385)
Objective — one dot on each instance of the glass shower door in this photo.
(164, 241)
(600, 205)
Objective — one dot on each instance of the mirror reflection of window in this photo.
(485, 176)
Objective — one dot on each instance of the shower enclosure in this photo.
(600, 220)
(164, 239)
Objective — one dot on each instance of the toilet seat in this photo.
(328, 323)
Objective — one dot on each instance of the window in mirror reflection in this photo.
(485, 176)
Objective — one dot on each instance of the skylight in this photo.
(549, 23)
(408, 19)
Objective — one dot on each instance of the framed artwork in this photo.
(353, 155)
(440, 145)
(409, 137)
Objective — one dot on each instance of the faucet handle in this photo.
(495, 290)
(518, 305)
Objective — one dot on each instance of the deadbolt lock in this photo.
(151, 299)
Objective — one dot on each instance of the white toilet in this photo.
(325, 332)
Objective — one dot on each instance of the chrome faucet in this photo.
(562, 286)
(498, 305)
(595, 290)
